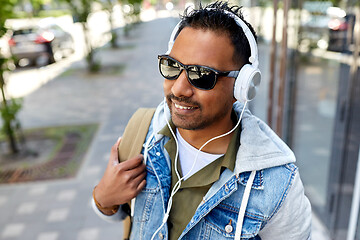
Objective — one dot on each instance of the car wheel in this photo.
(57, 55)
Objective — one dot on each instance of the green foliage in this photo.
(108, 6)
(53, 13)
(264, 3)
(94, 65)
(334, 2)
(8, 113)
(11, 125)
(6, 11)
(43, 13)
(37, 6)
(135, 8)
(80, 9)
(8, 110)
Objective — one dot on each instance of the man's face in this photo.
(192, 108)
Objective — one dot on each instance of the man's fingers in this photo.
(114, 156)
(137, 171)
(137, 179)
(132, 163)
(114, 150)
(141, 185)
(118, 141)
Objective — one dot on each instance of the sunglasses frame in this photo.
(217, 73)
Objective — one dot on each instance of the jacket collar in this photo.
(260, 147)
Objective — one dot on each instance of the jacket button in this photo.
(228, 228)
(161, 236)
(158, 154)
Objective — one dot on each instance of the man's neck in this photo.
(198, 137)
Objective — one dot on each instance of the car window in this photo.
(24, 31)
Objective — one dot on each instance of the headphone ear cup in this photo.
(246, 84)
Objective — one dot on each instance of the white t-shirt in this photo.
(187, 155)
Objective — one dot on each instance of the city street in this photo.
(60, 210)
(19, 83)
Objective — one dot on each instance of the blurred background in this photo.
(72, 72)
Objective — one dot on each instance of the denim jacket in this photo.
(277, 207)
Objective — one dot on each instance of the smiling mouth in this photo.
(183, 107)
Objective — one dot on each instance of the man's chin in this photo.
(187, 124)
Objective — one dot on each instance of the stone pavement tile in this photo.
(94, 170)
(39, 216)
(89, 234)
(79, 210)
(71, 225)
(12, 230)
(53, 200)
(3, 200)
(58, 215)
(54, 230)
(9, 208)
(37, 190)
(48, 236)
(26, 208)
(33, 229)
(92, 220)
(111, 232)
(66, 195)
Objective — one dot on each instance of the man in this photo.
(240, 183)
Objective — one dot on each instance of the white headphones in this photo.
(249, 78)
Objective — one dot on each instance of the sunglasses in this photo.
(201, 77)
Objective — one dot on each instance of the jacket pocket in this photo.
(221, 223)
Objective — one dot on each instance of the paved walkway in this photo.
(60, 210)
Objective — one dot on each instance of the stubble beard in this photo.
(197, 121)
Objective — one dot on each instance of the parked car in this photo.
(341, 34)
(40, 45)
(325, 27)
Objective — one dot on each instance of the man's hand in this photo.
(121, 181)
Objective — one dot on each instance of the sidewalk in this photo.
(60, 210)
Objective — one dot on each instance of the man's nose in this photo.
(181, 86)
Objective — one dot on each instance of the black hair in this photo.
(212, 17)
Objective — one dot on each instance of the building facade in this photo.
(310, 95)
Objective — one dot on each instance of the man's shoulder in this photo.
(277, 177)
(269, 189)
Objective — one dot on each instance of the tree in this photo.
(81, 10)
(108, 6)
(8, 109)
(131, 12)
(334, 2)
(37, 6)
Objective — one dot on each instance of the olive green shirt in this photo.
(192, 190)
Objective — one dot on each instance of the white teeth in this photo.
(182, 107)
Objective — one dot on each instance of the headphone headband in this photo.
(249, 78)
(253, 59)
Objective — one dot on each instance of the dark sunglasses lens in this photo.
(202, 78)
(169, 69)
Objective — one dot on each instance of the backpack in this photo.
(131, 144)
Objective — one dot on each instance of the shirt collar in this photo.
(211, 173)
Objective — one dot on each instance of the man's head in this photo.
(208, 41)
(212, 17)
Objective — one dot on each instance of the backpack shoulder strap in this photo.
(131, 145)
(135, 133)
